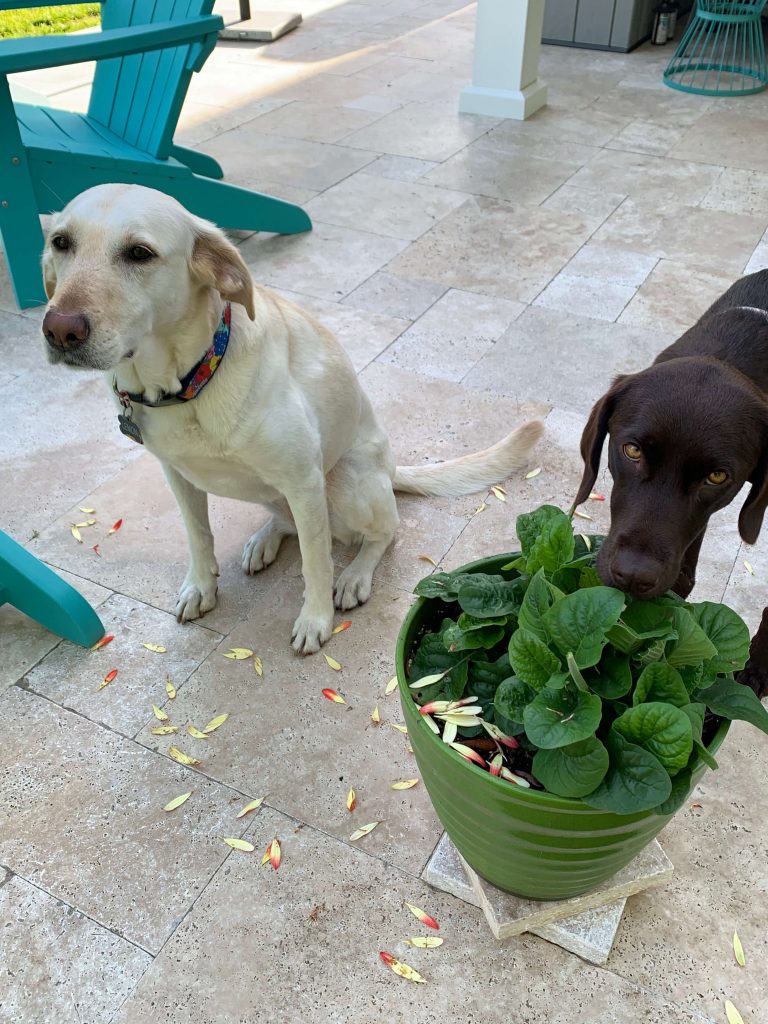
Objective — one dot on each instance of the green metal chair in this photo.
(36, 590)
(722, 52)
(146, 54)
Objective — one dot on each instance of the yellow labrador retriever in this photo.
(264, 408)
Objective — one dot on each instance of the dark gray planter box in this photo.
(598, 24)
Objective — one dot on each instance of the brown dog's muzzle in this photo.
(65, 331)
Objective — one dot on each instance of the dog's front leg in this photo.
(755, 672)
(310, 513)
(198, 592)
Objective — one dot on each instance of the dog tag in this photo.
(129, 428)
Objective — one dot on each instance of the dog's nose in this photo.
(634, 575)
(65, 330)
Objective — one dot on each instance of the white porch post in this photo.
(505, 80)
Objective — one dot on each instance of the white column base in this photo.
(515, 103)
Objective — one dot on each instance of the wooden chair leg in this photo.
(198, 163)
(237, 208)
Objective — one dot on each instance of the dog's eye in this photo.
(633, 452)
(718, 477)
(60, 242)
(140, 254)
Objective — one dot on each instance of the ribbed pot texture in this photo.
(524, 841)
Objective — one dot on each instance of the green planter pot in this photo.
(525, 841)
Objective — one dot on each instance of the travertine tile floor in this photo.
(478, 272)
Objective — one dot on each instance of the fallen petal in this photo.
(405, 784)
(450, 732)
(214, 723)
(747, 566)
(428, 558)
(88, 511)
(425, 919)
(429, 680)
(156, 648)
(238, 653)
(587, 541)
(254, 805)
(240, 844)
(375, 716)
(499, 493)
(363, 831)
(76, 533)
(533, 473)
(170, 689)
(181, 757)
(738, 950)
(258, 666)
(275, 853)
(178, 801)
(480, 508)
(582, 515)
(495, 766)
(103, 642)
(195, 733)
(596, 497)
(351, 799)
(107, 679)
(468, 753)
(391, 686)
(332, 695)
(342, 626)
(159, 714)
(425, 941)
(115, 527)
(401, 969)
(733, 1015)
(402, 728)
(517, 779)
(164, 730)
(95, 549)
(332, 663)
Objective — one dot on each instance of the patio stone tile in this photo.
(718, 886)
(759, 258)
(317, 122)
(589, 296)
(468, 247)
(201, 121)
(589, 127)
(674, 296)
(652, 104)
(375, 103)
(363, 334)
(23, 642)
(385, 206)
(418, 130)
(58, 965)
(396, 296)
(724, 137)
(449, 338)
(611, 264)
(329, 262)
(147, 559)
(739, 191)
(594, 206)
(251, 158)
(71, 676)
(329, 88)
(388, 70)
(286, 741)
(216, 964)
(481, 169)
(648, 177)
(652, 137)
(81, 816)
(400, 168)
(710, 239)
(520, 363)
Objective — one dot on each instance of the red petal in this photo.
(116, 526)
(386, 957)
(103, 642)
(110, 676)
(332, 695)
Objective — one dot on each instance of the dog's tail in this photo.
(474, 472)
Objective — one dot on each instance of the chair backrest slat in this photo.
(139, 97)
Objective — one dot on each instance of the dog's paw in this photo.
(311, 631)
(352, 589)
(261, 549)
(195, 599)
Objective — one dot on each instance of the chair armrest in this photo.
(32, 53)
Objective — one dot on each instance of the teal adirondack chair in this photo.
(36, 590)
(146, 54)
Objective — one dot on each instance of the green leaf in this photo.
(487, 598)
(612, 677)
(663, 730)
(529, 525)
(555, 718)
(512, 698)
(531, 659)
(681, 788)
(705, 755)
(728, 632)
(444, 585)
(554, 545)
(574, 770)
(580, 621)
(692, 645)
(660, 682)
(695, 713)
(642, 621)
(635, 781)
(730, 699)
(431, 658)
(457, 639)
(537, 598)
(486, 676)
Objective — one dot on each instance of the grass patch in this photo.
(43, 21)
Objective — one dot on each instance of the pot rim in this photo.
(540, 795)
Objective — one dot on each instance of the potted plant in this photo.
(558, 724)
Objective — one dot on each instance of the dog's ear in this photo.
(594, 435)
(753, 509)
(217, 263)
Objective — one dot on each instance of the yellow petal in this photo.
(499, 493)
(430, 922)
(582, 515)
(156, 648)
(733, 1015)
(428, 558)
(178, 801)
(401, 969)
(400, 728)
(159, 714)
(258, 666)
(425, 941)
(214, 723)
(181, 757)
(195, 733)
(748, 567)
(252, 806)
(88, 522)
(170, 689)
(164, 730)
(405, 784)
(375, 716)
(480, 508)
(738, 950)
(332, 663)
(76, 533)
(363, 831)
(391, 686)
(240, 844)
(343, 626)
(533, 473)
(238, 653)
(351, 799)
(88, 511)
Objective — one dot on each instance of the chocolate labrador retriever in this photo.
(685, 435)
